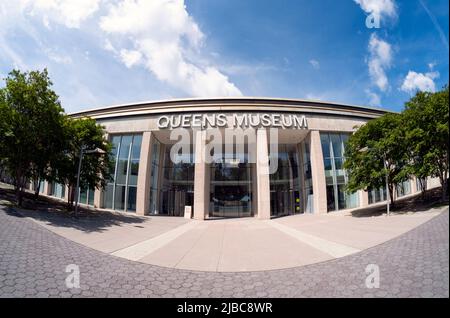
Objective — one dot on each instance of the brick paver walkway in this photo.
(33, 262)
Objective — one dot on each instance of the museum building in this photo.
(230, 157)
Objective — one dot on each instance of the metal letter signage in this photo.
(267, 120)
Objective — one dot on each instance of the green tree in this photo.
(84, 133)
(426, 119)
(31, 116)
(375, 150)
(48, 122)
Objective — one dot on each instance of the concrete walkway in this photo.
(231, 245)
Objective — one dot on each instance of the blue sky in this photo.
(101, 53)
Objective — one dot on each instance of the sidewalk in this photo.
(232, 245)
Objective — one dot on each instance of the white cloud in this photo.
(378, 7)
(380, 59)
(130, 57)
(419, 82)
(315, 64)
(374, 98)
(58, 58)
(166, 37)
(70, 13)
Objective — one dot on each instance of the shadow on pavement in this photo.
(54, 212)
(415, 204)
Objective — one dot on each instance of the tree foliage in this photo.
(375, 151)
(426, 123)
(31, 118)
(84, 134)
(39, 141)
(411, 143)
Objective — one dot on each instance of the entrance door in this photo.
(231, 189)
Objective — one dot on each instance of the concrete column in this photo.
(301, 177)
(144, 173)
(263, 176)
(254, 190)
(98, 195)
(318, 173)
(66, 193)
(47, 188)
(413, 185)
(160, 175)
(363, 198)
(201, 177)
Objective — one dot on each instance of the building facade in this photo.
(230, 157)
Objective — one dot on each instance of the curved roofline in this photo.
(228, 99)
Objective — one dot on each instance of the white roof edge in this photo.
(190, 99)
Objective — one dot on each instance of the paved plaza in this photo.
(33, 263)
(230, 245)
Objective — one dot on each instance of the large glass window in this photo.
(58, 190)
(308, 205)
(154, 188)
(176, 188)
(377, 195)
(120, 192)
(86, 197)
(285, 195)
(403, 188)
(231, 187)
(333, 149)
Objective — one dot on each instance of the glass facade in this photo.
(120, 192)
(58, 190)
(333, 149)
(230, 184)
(154, 188)
(308, 196)
(403, 188)
(377, 195)
(176, 188)
(86, 197)
(41, 186)
(421, 184)
(285, 195)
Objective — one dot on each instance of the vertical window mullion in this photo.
(333, 169)
(128, 174)
(115, 175)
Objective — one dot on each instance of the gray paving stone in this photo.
(33, 262)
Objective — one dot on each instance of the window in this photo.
(333, 150)
(403, 188)
(377, 195)
(86, 197)
(172, 181)
(120, 192)
(285, 195)
(58, 190)
(308, 205)
(154, 189)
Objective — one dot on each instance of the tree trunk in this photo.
(19, 196)
(443, 181)
(37, 186)
(423, 185)
(18, 184)
(70, 197)
(391, 194)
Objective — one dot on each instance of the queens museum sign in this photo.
(222, 120)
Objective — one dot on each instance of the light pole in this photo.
(388, 194)
(386, 177)
(77, 189)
